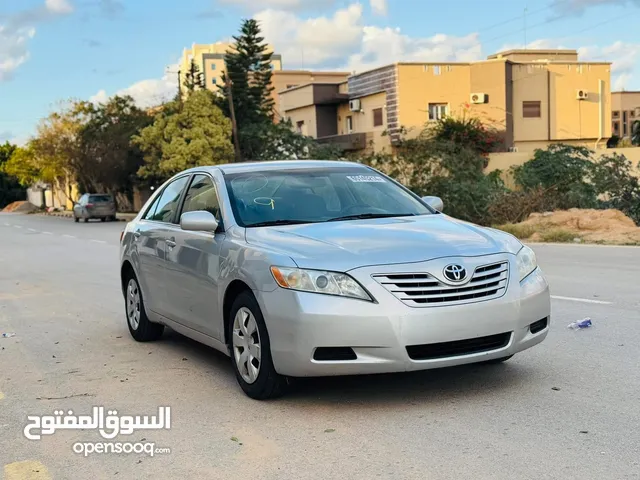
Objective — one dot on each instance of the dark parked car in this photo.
(95, 205)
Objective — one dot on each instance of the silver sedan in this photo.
(313, 268)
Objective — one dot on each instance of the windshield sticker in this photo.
(366, 178)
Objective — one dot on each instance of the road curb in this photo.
(70, 215)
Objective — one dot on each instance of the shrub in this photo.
(518, 230)
(466, 132)
(557, 235)
(516, 206)
(564, 171)
(617, 186)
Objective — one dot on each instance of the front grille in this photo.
(431, 351)
(423, 290)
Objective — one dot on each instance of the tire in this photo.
(76, 219)
(103, 219)
(141, 329)
(114, 218)
(497, 360)
(267, 383)
(85, 220)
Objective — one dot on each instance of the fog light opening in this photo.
(334, 354)
(538, 326)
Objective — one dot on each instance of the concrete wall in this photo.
(363, 120)
(622, 102)
(504, 161)
(306, 115)
(283, 78)
(419, 85)
(326, 120)
(491, 78)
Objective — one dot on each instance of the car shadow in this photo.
(437, 385)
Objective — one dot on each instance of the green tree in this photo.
(22, 165)
(469, 132)
(107, 159)
(562, 170)
(635, 133)
(193, 78)
(10, 188)
(180, 138)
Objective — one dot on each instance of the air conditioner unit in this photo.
(582, 94)
(513, 149)
(478, 98)
(354, 105)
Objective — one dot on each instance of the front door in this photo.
(150, 238)
(193, 264)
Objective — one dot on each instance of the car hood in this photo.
(346, 245)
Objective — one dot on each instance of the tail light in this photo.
(121, 235)
(89, 205)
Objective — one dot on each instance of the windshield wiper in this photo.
(359, 216)
(273, 223)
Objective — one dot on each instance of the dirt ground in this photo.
(590, 226)
(19, 207)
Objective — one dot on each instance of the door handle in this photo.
(171, 243)
(136, 235)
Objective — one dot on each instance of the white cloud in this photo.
(13, 49)
(382, 46)
(18, 29)
(578, 7)
(61, 7)
(290, 5)
(146, 93)
(379, 7)
(313, 41)
(624, 57)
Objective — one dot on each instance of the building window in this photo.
(531, 109)
(579, 68)
(632, 113)
(449, 68)
(615, 114)
(213, 66)
(349, 124)
(437, 111)
(436, 69)
(377, 117)
(624, 125)
(616, 127)
(214, 81)
(300, 126)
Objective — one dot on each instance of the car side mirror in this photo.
(434, 202)
(199, 221)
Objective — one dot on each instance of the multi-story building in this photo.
(532, 97)
(210, 61)
(625, 110)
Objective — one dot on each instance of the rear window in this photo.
(100, 198)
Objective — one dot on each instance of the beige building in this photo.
(532, 97)
(625, 109)
(210, 60)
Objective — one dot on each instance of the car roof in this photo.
(246, 167)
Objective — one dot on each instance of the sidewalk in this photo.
(120, 217)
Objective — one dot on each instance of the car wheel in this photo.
(103, 219)
(85, 219)
(498, 360)
(114, 218)
(76, 219)
(251, 350)
(139, 325)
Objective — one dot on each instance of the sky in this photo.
(56, 50)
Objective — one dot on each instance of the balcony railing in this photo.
(347, 142)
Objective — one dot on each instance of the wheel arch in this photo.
(235, 288)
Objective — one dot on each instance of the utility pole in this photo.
(525, 27)
(180, 88)
(234, 125)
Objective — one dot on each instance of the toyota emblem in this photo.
(455, 273)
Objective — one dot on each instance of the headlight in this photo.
(318, 281)
(526, 260)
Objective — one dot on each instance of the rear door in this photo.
(150, 239)
(193, 263)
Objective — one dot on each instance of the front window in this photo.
(314, 195)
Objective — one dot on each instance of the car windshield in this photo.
(309, 195)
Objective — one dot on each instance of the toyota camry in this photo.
(315, 268)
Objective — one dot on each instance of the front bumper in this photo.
(379, 333)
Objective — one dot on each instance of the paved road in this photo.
(59, 293)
